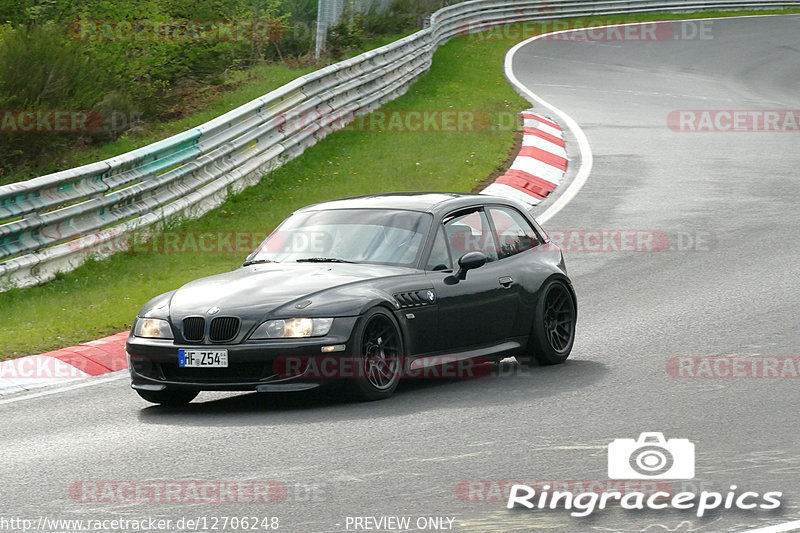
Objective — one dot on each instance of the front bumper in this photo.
(153, 363)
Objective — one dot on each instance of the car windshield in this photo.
(382, 236)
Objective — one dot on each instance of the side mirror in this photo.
(468, 261)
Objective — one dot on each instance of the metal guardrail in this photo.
(54, 223)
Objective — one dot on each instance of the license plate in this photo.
(203, 358)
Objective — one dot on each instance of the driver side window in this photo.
(469, 231)
(440, 254)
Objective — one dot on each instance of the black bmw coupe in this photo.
(364, 291)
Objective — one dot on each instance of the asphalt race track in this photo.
(727, 284)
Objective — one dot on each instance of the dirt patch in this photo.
(189, 99)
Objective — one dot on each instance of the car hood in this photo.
(256, 290)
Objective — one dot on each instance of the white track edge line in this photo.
(583, 143)
(780, 528)
(587, 159)
(84, 382)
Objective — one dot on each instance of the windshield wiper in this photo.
(322, 260)
(258, 261)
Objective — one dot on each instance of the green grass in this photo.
(102, 297)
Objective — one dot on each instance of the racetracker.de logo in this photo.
(50, 121)
(396, 121)
(177, 492)
(344, 367)
(595, 30)
(43, 367)
(734, 120)
(176, 31)
(609, 240)
(734, 367)
(497, 490)
(167, 242)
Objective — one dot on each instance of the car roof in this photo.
(429, 202)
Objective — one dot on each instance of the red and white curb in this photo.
(93, 358)
(539, 166)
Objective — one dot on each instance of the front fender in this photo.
(158, 307)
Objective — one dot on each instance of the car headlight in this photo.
(152, 328)
(293, 328)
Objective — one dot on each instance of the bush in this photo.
(52, 59)
(401, 16)
(347, 35)
(42, 70)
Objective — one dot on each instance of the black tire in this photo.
(553, 330)
(168, 396)
(379, 344)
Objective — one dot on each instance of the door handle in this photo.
(506, 281)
